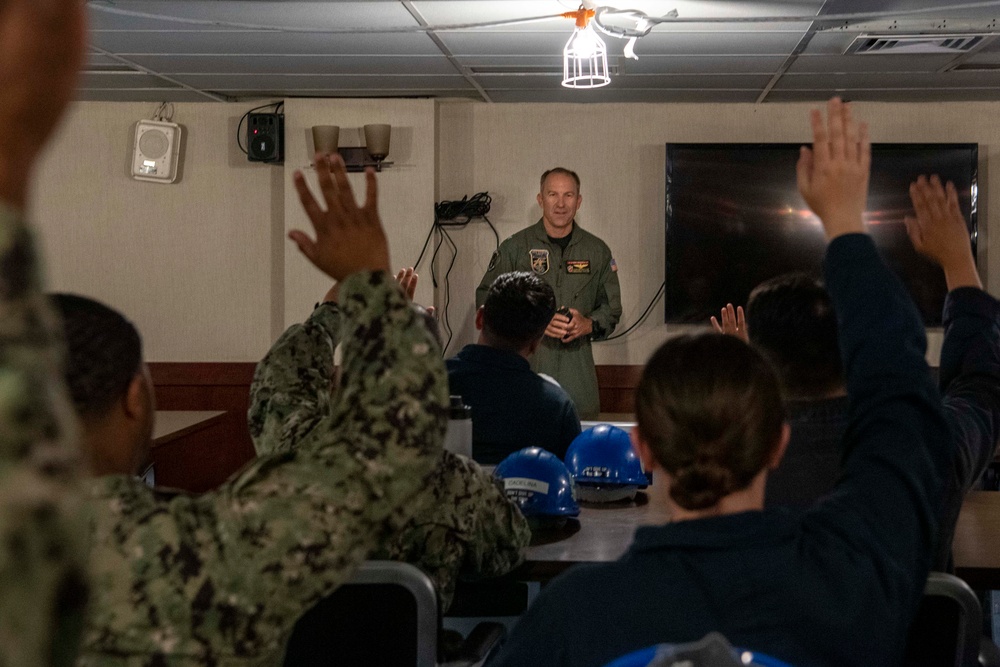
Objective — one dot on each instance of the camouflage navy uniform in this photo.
(42, 525)
(462, 525)
(221, 578)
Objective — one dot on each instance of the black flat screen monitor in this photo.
(734, 218)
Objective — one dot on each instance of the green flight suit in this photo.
(584, 277)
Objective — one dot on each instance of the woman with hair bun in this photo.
(836, 585)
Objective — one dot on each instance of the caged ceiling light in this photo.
(585, 58)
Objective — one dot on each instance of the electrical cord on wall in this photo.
(277, 106)
(456, 215)
(642, 318)
(164, 112)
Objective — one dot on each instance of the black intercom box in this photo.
(266, 137)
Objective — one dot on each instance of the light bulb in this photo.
(586, 42)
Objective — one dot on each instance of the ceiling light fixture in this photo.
(585, 58)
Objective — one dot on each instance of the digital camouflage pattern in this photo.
(463, 526)
(42, 521)
(221, 578)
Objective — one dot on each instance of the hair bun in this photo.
(701, 485)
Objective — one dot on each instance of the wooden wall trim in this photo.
(616, 386)
(207, 458)
(225, 374)
(206, 461)
(619, 377)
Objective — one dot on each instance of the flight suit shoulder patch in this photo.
(539, 260)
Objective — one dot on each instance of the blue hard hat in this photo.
(712, 650)
(603, 456)
(538, 482)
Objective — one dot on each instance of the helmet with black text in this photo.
(712, 650)
(538, 482)
(604, 465)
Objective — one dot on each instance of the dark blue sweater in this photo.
(970, 383)
(835, 585)
(512, 406)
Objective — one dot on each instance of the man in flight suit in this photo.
(581, 270)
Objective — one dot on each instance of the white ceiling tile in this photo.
(313, 82)
(603, 95)
(297, 64)
(653, 81)
(728, 61)
(156, 95)
(377, 14)
(887, 80)
(656, 43)
(887, 95)
(260, 43)
(874, 63)
(118, 81)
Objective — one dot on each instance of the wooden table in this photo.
(977, 541)
(186, 453)
(175, 424)
(602, 534)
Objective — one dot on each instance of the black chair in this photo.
(947, 631)
(386, 616)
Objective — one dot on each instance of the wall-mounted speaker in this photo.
(156, 151)
(266, 137)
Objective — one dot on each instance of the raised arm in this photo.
(292, 384)
(464, 528)
(237, 567)
(349, 485)
(970, 354)
(42, 519)
(883, 511)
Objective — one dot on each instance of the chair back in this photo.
(948, 625)
(385, 616)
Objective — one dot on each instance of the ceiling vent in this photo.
(869, 45)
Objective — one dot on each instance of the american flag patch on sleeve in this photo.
(614, 266)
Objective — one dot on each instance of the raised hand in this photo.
(939, 233)
(41, 49)
(833, 175)
(734, 322)
(407, 279)
(349, 238)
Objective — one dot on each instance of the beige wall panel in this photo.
(406, 189)
(619, 153)
(204, 267)
(189, 263)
